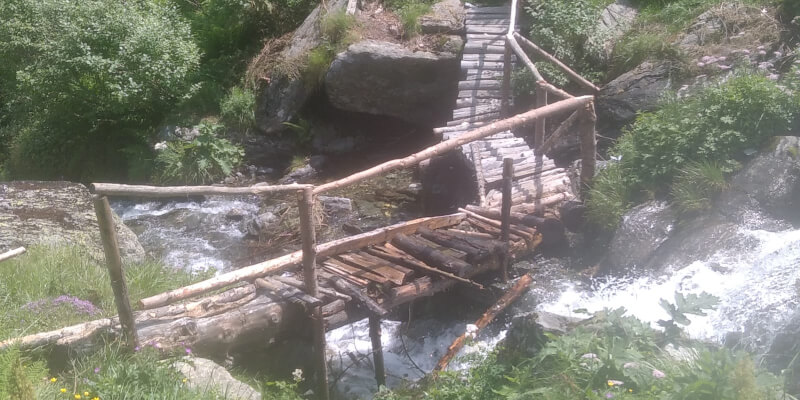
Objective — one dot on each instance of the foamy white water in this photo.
(757, 289)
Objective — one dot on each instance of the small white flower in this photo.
(658, 374)
(160, 146)
(472, 331)
(630, 365)
(297, 375)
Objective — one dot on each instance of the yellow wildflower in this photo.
(77, 396)
(53, 379)
(184, 380)
(86, 394)
(63, 390)
(610, 383)
(95, 398)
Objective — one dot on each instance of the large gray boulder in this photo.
(614, 21)
(207, 376)
(446, 16)
(642, 231)
(637, 90)
(57, 213)
(388, 79)
(770, 183)
(283, 96)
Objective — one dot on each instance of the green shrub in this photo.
(93, 75)
(336, 29)
(696, 185)
(638, 46)
(717, 125)
(205, 159)
(17, 374)
(562, 28)
(238, 109)
(317, 64)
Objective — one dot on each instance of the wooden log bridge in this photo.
(367, 274)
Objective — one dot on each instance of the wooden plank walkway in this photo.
(536, 178)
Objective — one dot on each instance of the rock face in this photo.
(637, 90)
(769, 182)
(58, 213)
(206, 375)
(445, 17)
(615, 21)
(642, 231)
(384, 78)
(283, 96)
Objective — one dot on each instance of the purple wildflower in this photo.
(658, 374)
(97, 370)
(188, 351)
(609, 395)
(80, 305)
(137, 348)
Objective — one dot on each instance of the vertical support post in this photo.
(505, 211)
(505, 89)
(108, 234)
(539, 124)
(377, 349)
(588, 148)
(308, 234)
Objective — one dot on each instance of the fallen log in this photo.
(509, 297)
(431, 256)
(357, 294)
(414, 263)
(211, 326)
(11, 254)
(300, 285)
(474, 254)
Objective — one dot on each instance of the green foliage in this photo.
(335, 28)
(692, 304)
(710, 129)
(562, 28)
(409, 15)
(610, 355)
(317, 64)
(237, 109)
(46, 273)
(279, 390)
(302, 132)
(337, 33)
(638, 46)
(609, 198)
(83, 78)
(696, 185)
(17, 374)
(205, 159)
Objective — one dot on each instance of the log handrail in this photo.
(114, 189)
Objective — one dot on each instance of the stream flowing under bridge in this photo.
(370, 274)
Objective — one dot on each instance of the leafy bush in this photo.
(638, 46)
(562, 28)
(205, 159)
(696, 185)
(90, 75)
(609, 198)
(17, 374)
(238, 108)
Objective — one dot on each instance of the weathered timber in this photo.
(476, 110)
(406, 259)
(354, 270)
(431, 256)
(554, 90)
(479, 173)
(552, 229)
(564, 129)
(322, 290)
(577, 78)
(443, 147)
(377, 349)
(114, 189)
(588, 148)
(360, 296)
(524, 57)
(505, 214)
(333, 271)
(292, 259)
(283, 291)
(474, 254)
(488, 21)
(540, 125)
(455, 253)
(11, 253)
(470, 234)
(333, 308)
(484, 65)
(483, 48)
(519, 231)
(398, 276)
(108, 235)
(495, 29)
(487, 10)
(509, 297)
(483, 57)
(505, 88)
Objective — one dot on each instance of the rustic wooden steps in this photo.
(479, 102)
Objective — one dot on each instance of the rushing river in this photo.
(756, 280)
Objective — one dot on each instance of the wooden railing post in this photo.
(505, 211)
(588, 148)
(308, 234)
(108, 234)
(377, 349)
(539, 126)
(505, 90)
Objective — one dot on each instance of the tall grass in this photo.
(52, 287)
(409, 14)
(696, 185)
